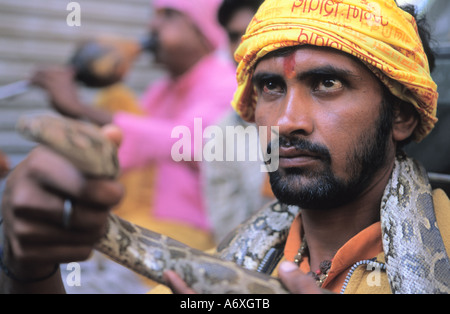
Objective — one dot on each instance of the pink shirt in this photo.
(204, 92)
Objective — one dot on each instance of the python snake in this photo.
(415, 254)
(416, 260)
(149, 253)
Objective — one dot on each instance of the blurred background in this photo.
(35, 32)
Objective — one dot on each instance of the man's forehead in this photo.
(307, 56)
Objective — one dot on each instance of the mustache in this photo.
(301, 144)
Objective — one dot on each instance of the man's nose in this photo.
(296, 114)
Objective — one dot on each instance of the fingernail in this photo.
(287, 267)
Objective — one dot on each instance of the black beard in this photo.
(325, 190)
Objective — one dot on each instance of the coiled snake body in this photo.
(408, 222)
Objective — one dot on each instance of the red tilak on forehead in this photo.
(289, 66)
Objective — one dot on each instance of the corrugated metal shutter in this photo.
(35, 32)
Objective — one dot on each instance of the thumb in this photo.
(296, 281)
(113, 133)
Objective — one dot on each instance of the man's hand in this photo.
(35, 236)
(295, 281)
(61, 88)
(177, 284)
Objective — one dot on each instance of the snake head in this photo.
(80, 142)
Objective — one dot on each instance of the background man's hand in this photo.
(59, 83)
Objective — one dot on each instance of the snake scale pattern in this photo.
(416, 259)
(415, 254)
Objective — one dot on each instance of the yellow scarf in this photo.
(377, 32)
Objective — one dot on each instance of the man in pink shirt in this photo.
(200, 84)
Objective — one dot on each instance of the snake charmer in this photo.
(348, 84)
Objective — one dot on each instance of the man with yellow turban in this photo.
(347, 83)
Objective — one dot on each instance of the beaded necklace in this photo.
(319, 275)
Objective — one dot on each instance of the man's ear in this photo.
(405, 122)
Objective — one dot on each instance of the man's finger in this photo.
(296, 281)
(58, 174)
(177, 284)
(113, 133)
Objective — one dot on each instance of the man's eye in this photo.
(270, 86)
(328, 85)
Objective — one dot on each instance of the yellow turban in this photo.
(377, 32)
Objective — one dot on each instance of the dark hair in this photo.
(230, 7)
